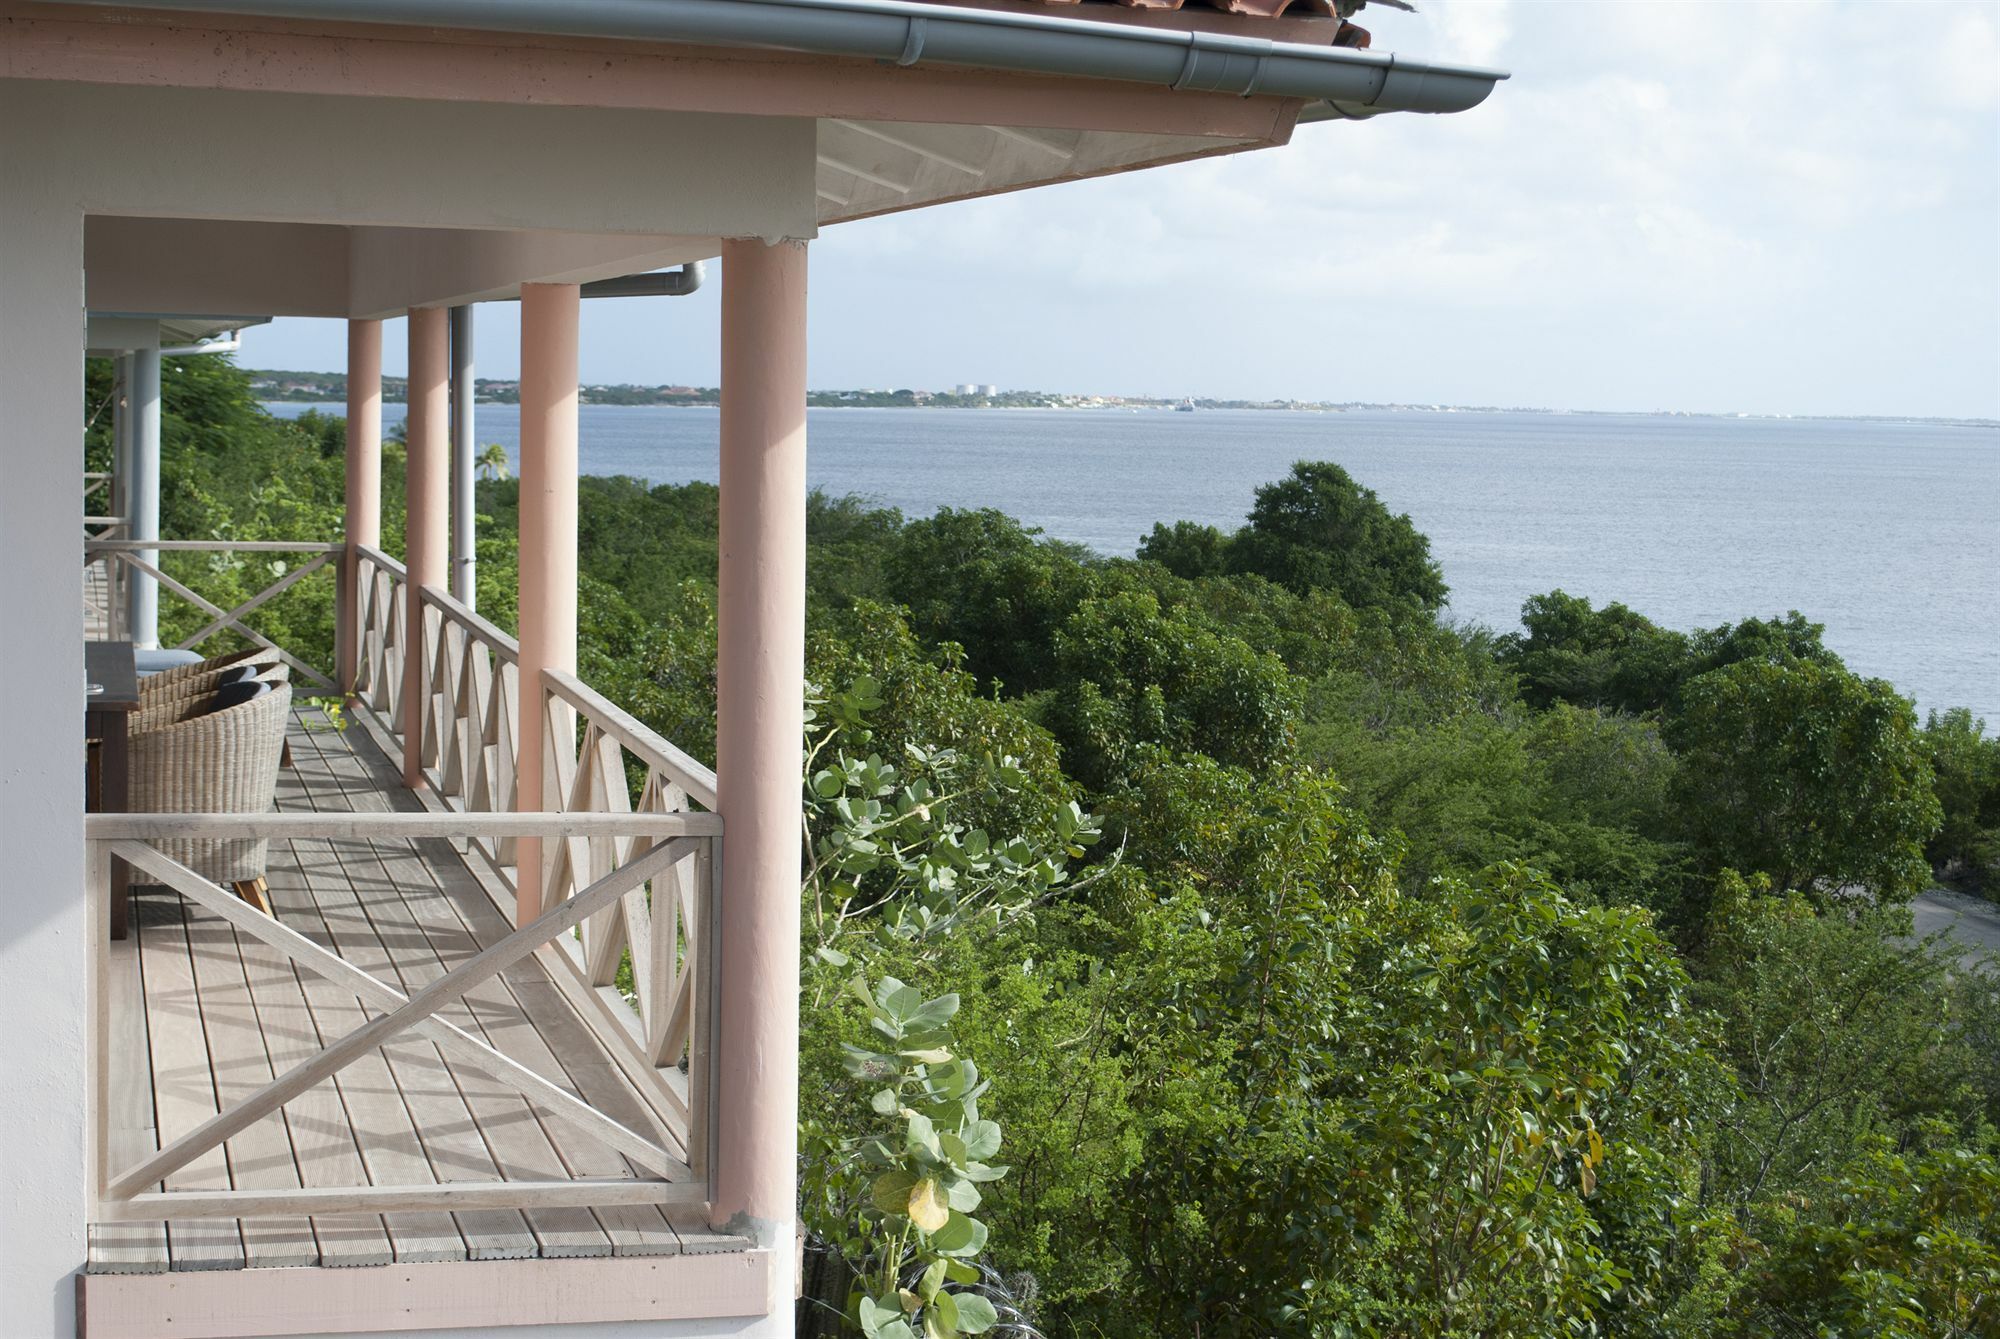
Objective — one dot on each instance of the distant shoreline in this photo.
(833, 400)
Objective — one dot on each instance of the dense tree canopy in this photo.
(1320, 530)
(1808, 774)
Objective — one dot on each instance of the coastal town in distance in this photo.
(330, 387)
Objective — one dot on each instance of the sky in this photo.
(1785, 207)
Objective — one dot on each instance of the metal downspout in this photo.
(464, 507)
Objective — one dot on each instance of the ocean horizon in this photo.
(1880, 529)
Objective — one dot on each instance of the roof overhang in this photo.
(909, 33)
(111, 333)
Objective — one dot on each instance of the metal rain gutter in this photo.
(652, 284)
(909, 33)
(646, 284)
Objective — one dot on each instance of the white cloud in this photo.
(1472, 32)
(1682, 205)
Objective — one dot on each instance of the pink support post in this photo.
(364, 485)
(760, 678)
(427, 492)
(548, 549)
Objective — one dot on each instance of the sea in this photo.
(1884, 531)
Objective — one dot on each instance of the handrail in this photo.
(502, 646)
(469, 708)
(301, 826)
(212, 545)
(643, 743)
(383, 561)
(143, 558)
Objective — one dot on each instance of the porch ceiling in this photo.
(301, 166)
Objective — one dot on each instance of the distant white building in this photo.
(989, 390)
(965, 388)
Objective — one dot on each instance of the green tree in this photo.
(1806, 773)
(1319, 529)
(1966, 762)
(492, 462)
(1131, 675)
(1838, 1030)
(1371, 1113)
(1777, 641)
(1609, 657)
(1187, 549)
(981, 580)
(1902, 1243)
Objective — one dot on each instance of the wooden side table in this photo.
(110, 698)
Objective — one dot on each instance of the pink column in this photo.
(364, 484)
(548, 548)
(760, 678)
(427, 492)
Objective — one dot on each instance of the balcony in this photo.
(517, 1121)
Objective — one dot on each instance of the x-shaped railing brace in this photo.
(415, 1011)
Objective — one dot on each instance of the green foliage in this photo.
(1806, 773)
(978, 579)
(1376, 1113)
(230, 471)
(1617, 658)
(1132, 675)
(1900, 1243)
(1320, 530)
(492, 461)
(1966, 762)
(1774, 641)
(1839, 1031)
(1358, 1022)
(899, 1204)
(889, 859)
(1610, 657)
(1187, 549)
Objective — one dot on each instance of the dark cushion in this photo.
(236, 694)
(236, 674)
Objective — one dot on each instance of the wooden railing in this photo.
(598, 760)
(123, 557)
(651, 846)
(104, 595)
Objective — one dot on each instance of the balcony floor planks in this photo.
(557, 1047)
(138, 1248)
(183, 1079)
(218, 1003)
(363, 912)
(401, 897)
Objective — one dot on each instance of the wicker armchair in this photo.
(176, 681)
(188, 696)
(217, 762)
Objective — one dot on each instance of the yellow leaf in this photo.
(928, 1209)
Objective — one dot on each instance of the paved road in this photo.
(1974, 922)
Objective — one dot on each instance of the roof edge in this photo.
(907, 32)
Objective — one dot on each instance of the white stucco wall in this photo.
(42, 933)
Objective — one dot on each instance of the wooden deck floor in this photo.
(202, 1015)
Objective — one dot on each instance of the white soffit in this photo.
(872, 167)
